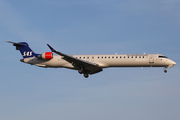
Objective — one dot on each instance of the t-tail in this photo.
(24, 49)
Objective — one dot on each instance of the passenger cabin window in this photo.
(163, 57)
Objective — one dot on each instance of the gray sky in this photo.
(90, 27)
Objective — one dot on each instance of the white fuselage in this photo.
(104, 61)
(90, 64)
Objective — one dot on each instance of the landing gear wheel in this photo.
(81, 71)
(165, 69)
(86, 75)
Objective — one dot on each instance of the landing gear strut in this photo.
(165, 70)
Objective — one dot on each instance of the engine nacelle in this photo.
(46, 56)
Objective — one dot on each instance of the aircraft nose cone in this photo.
(173, 63)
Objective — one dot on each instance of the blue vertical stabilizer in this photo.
(24, 48)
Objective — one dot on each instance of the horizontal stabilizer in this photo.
(16, 43)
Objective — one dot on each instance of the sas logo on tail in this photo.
(27, 53)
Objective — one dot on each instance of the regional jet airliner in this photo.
(90, 64)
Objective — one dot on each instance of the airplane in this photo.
(90, 64)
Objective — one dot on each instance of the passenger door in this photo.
(151, 59)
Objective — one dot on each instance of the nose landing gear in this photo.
(165, 69)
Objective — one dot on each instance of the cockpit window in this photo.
(163, 57)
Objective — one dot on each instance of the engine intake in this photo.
(46, 56)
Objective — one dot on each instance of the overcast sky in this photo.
(90, 27)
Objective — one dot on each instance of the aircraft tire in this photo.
(80, 71)
(86, 75)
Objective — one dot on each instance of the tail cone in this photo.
(22, 60)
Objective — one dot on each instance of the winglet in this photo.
(52, 49)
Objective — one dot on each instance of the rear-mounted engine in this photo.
(46, 56)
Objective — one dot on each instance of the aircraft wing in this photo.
(89, 67)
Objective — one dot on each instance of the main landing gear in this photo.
(81, 71)
(86, 75)
(165, 69)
